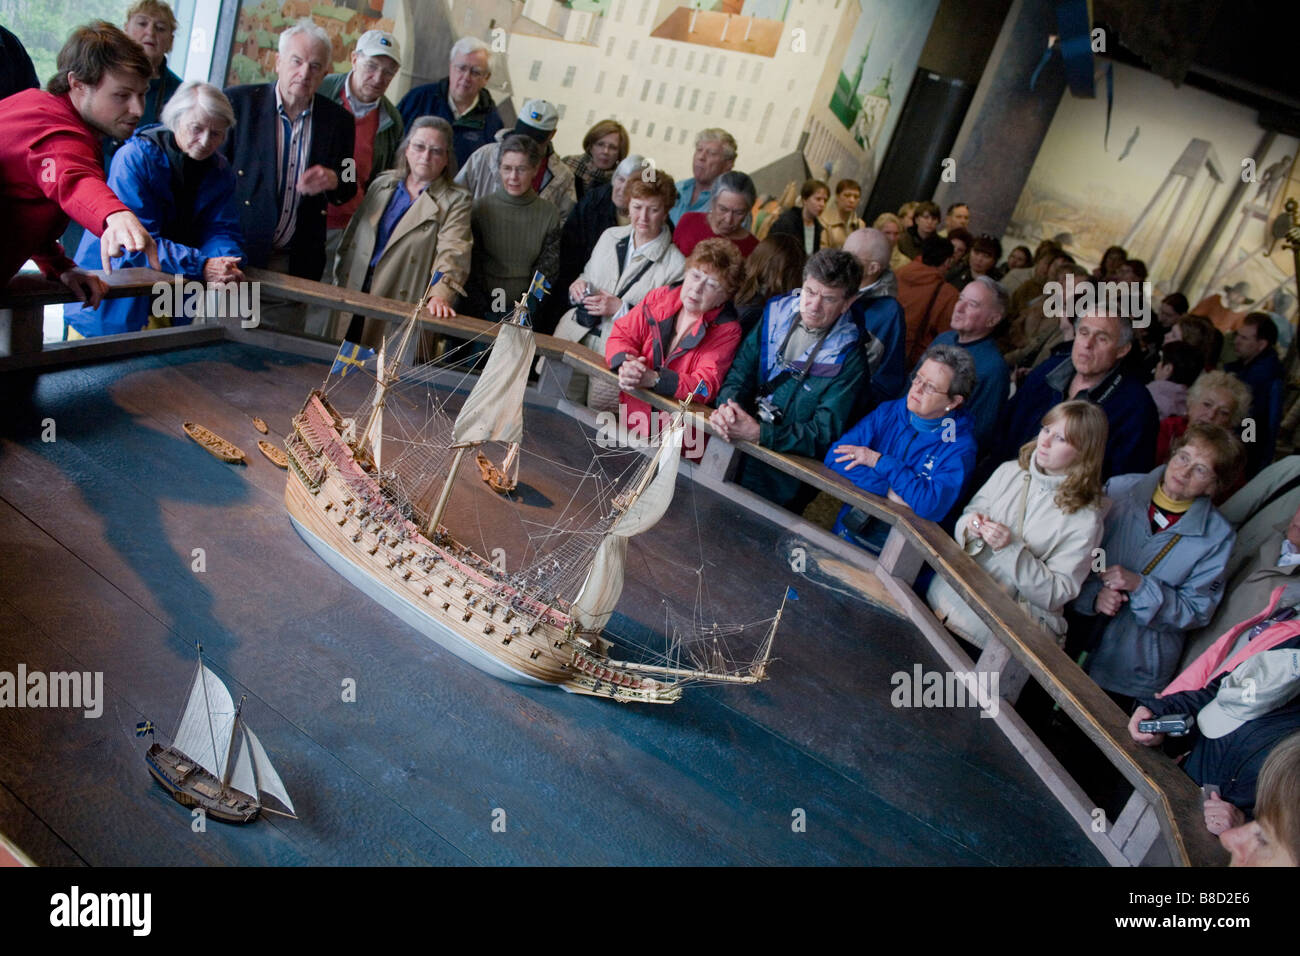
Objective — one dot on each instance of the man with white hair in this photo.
(979, 309)
(554, 180)
(460, 98)
(292, 152)
(715, 154)
(878, 315)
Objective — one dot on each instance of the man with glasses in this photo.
(460, 98)
(979, 309)
(733, 198)
(799, 378)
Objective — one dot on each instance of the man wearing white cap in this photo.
(554, 181)
(1240, 714)
(360, 91)
(375, 61)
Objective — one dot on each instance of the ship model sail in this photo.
(216, 761)
(379, 523)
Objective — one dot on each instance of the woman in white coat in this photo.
(628, 262)
(1035, 523)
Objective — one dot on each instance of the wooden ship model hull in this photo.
(441, 588)
(192, 786)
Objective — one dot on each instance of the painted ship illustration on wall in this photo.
(379, 524)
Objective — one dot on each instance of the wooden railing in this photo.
(1163, 821)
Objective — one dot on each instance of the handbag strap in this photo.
(1163, 551)
(645, 267)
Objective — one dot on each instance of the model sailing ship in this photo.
(215, 761)
(379, 525)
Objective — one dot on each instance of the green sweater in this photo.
(815, 413)
(514, 236)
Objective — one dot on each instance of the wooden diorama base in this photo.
(126, 543)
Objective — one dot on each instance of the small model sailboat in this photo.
(378, 523)
(215, 761)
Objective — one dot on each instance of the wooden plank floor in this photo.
(101, 528)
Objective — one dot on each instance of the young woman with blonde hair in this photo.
(1035, 523)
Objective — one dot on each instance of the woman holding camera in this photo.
(681, 339)
(627, 263)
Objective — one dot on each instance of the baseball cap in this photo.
(537, 116)
(1264, 682)
(379, 43)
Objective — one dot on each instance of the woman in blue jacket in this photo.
(917, 450)
(183, 190)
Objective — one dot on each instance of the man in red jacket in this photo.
(50, 162)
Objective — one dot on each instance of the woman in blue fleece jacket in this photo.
(917, 450)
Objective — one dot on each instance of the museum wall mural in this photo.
(1158, 184)
(257, 31)
(828, 74)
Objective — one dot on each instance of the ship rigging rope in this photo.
(558, 552)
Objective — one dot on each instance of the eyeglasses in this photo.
(431, 150)
(477, 72)
(1184, 460)
(371, 68)
(927, 388)
(704, 279)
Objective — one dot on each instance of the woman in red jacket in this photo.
(679, 338)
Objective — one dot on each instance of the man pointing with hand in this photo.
(51, 168)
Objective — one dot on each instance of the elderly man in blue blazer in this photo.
(291, 151)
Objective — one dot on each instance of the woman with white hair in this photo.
(173, 178)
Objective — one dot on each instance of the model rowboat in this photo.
(275, 453)
(213, 443)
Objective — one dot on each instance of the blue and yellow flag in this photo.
(539, 286)
(144, 728)
(350, 358)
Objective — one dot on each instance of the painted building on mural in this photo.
(667, 71)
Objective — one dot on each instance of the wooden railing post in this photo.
(720, 459)
(22, 330)
(996, 658)
(899, 558)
